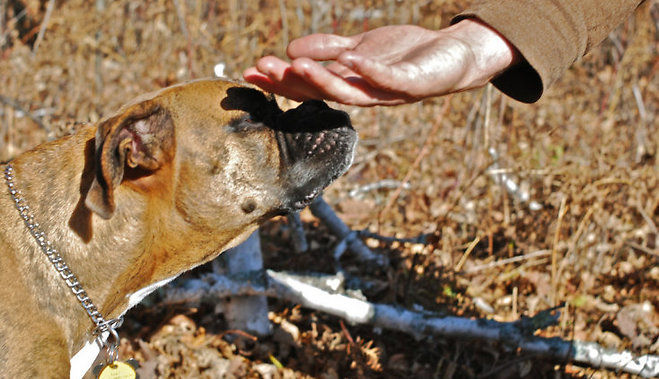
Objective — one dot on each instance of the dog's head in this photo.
(224, 156)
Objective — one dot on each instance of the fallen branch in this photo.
(248, 313)
(325, 293)
(298, 238)
(348, 237)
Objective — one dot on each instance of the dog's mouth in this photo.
(317, 146)
(316, 142)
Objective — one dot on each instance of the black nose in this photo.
(314, 131)
(312, 117)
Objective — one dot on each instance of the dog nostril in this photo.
(248, 206)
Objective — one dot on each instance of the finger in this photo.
(273, 67)
(254, 74)
(265, 83)
(351, 90)
(281, 89)
(321, 46)
(279, 79)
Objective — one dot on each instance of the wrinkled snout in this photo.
(316, 143)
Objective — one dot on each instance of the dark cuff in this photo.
(521, 81)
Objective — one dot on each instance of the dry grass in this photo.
(589, 147)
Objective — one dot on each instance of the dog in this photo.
(165, 184)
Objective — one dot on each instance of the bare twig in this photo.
(304, 290)
(422, 239)
(324, 212)
(575, 239)
(385, 183)
(464, 257)
(641, 132)
(181, 19)
(644, 249)
(298, 238)
(299, 13)
(639, 102)
(486, 118)
(646, 217)
(554, 251)
(180, 14)
(503, 262)
(16, 105)
(514, 301)
(44, 25)
(14, 20)
(473, 112)
(2, 23)
(98, 59)
(284, 25)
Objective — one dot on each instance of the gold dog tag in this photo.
(117, 370)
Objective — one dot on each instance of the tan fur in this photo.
(171, 210)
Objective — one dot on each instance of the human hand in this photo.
(386, 66)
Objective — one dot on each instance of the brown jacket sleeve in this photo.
(549, 34)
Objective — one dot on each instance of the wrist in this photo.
(489, 52)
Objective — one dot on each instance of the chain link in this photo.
(60, 265)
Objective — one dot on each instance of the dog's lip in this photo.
(308, 199)
(327, 169)
(299, 146)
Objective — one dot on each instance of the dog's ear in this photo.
(141, 139)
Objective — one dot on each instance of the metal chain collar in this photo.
(63, 269)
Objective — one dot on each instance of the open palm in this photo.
(385, 66)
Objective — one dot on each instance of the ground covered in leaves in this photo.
(586, 154)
